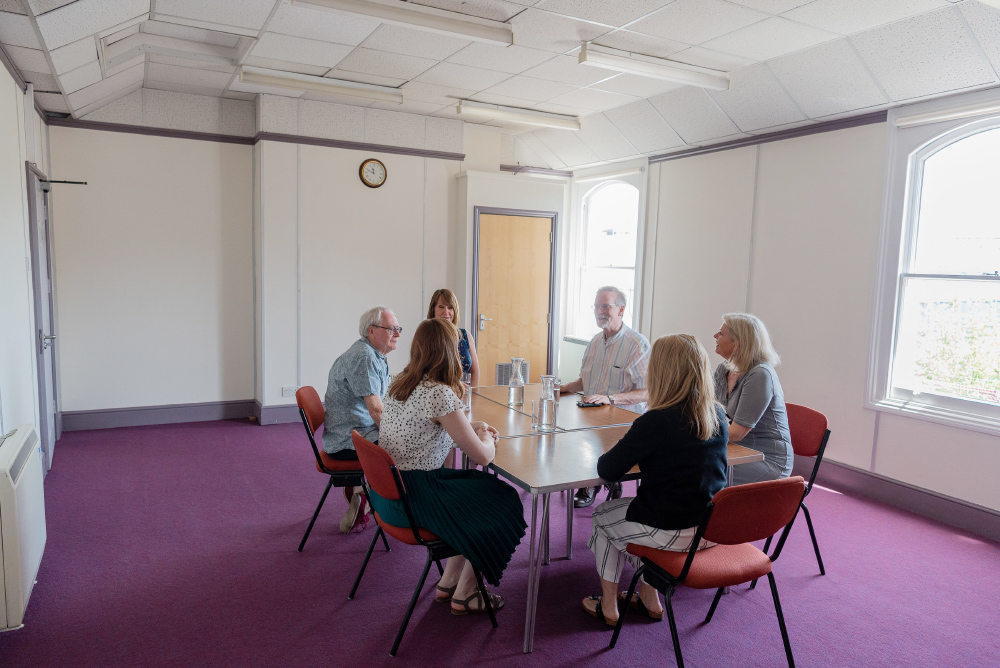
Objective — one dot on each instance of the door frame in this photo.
(553, 246)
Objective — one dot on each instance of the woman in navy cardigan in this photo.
(680, 447)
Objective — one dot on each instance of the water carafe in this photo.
(547, 405)
(515, 388)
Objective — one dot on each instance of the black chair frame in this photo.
(436, 551)
(666, 584)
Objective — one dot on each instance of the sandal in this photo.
(637, 604)
(598, 612)
(496, 600)
(447, 591)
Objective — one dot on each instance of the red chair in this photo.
(734, 518)
(342, 473)
(383, 478)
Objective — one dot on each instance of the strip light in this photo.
(419, 17)
(952, 114)
(654, 68)
(294, 81)
(513, 114)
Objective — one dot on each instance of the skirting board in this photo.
(976, 519)
(147, 415)
(276, 414)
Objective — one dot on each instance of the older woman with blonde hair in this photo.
(747, 385)
(680, 447)
(444, 304)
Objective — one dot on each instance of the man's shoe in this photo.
(350, 518)
(614, 491)
(585, 497)
(361, 521)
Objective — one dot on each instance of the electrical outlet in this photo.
(288, 391)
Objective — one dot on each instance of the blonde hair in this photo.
(680, 375)
(449, 297)
(434, 355)
(753, 343)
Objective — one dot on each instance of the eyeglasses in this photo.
(605, 307)
(395, 330)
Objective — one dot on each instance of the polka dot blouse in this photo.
(407, 433)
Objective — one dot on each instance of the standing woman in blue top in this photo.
(444, 304)
(747, 385)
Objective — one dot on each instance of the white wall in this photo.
(153, 266)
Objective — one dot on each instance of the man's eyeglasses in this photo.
(395, 330)
(605, 307)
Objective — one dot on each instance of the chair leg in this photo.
(715, 602)
(767, 544)
(624, 610)
(673, 626)
(413, 604)
(322, 500)
(364, 564)
(781, 621)
(812, 534)
(384, 541)
(440, 567)
(486, 597)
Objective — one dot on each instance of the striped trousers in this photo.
(612, 533)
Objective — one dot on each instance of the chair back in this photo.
(311, 406)
(379, 467)
(745, 513)
(808, 428)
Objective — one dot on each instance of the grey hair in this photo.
(620, 298)
(371, 318)
(753, 343)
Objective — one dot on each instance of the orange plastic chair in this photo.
(382, 477)
(734, 518)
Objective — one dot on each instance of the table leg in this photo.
(569, 524)
(529, 631)
(545, 530)
(529, 627)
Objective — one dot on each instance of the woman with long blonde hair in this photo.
(680, 447)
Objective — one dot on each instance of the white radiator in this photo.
(22, 522)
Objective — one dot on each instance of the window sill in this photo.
(938, 414)
(576, 339)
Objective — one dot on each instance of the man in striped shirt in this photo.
(614, 366)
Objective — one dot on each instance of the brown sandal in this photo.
(448, 593)
(496, 600)
(637, 605)
(598, 612)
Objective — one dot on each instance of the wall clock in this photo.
(372, 173)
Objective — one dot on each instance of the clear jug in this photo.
(515, 388)
(547, 405)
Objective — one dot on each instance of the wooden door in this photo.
(514, 274)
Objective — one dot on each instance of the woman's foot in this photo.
(444, 594)
(654, 612)
(474, 603)
(594, 605)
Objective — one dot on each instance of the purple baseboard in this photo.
(275, 414)
(148, 415)
(974, 518)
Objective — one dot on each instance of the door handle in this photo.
(482, 321)
(44, 341)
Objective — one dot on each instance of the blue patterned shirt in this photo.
(360, 372)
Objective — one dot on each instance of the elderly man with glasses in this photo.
(358, 380)
(614, 368)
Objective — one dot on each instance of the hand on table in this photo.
(597, 399)
(481, 429)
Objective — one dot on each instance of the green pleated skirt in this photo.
(477, 514)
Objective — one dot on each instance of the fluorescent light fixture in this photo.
(294, 81)
(991, 3)
(419, 17)
(513, 114)
(952, 114)
(654, 68)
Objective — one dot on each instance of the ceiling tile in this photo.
(567, 145)
(409, 107)
(39, 7)
(188, 75)
(850, 16)
(561, 109)
(81, 77)
(242, 13)
(512, 59)
(644, 127)
(106, 87)
(828, 79)
(693, 115)
(52, 102)
(923, 55)
(302, 21)
(80, 112)
(535, 144)
(528, 88)
(14, 6)
(441, 134)
(285, 66)
(176, 87)
(495, 10)
(549, 32)
(639, 43)
(41, 81)
(631, 84)
(28, 59)
(331, 121)
(985, 24)
(126, 110)
(603, 138)
(504, 100)
(86, 17)
(771, 6)
(524, 155)
(616, 13)
(121, 67)
(566, 69)
(410, 42)
(74, 55)
(180, 111)
(462, 76)
(364, 78)
(756, 100)
(380, 63)
(425, 92)
(696, 21)
(200, 64)
(769, 39)
(122, 34)
(394, 129)
(190, 33)
(713, 60)
(17, 30)
(300, 50)
(595, 100)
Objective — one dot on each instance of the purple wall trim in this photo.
(518, 169)
(143, 130)
(147, 415)
(9, 64)
(357, 146)
(955, 512)
(275, 414)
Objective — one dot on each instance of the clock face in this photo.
(372, 173)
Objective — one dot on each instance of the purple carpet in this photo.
(175, 546)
